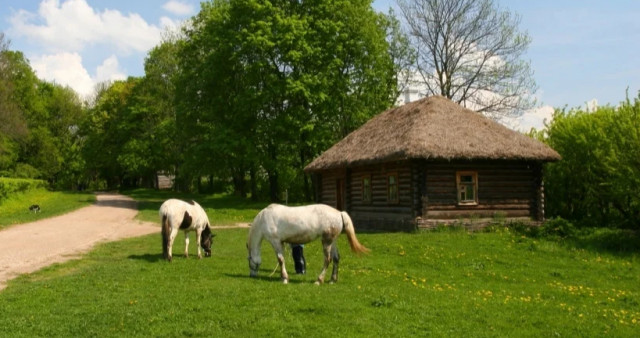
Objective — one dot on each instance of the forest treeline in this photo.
(241, 99)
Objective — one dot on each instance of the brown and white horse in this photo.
(187, 216)
(280, 224)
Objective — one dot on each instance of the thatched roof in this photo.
(431, 128)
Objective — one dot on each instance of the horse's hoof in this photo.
(285, 281)
(317, 283)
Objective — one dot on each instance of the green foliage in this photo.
(265, 86)
(596, 182)
(119, 136)
(38, 125)
(558, 227)
(427, 283)
(11, 186)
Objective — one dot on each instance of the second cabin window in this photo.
(467, 187)
(392, 187)
(366, 189)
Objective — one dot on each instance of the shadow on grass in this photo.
(266, 278)
(151, 258)
(115, 203)
(617, 242)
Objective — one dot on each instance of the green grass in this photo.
(15, 209)
(221, 209)
(447, 283)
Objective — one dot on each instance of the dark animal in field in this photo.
(34, 208)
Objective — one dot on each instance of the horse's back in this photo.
(301, 224)
(175, 208)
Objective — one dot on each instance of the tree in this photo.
(596, 181)
(13, 126)
(107, 129)
(470, 52)
(267, 85)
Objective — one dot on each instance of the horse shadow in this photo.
(151, 258)
(267, 278)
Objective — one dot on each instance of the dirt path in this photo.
(29, 247)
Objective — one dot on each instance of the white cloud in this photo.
(66, 69)
(591, 105)
(64, 34)
(178, 8)
(73, 25)
(109, 70)
(533, 118)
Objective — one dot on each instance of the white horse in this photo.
(280, 224)
(188, 216)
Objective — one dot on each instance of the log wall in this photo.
(381, 213)
(427, 193)
(505, 188)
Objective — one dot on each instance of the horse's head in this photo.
(254, 263)
(206, 241)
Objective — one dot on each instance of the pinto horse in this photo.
(280, 224)
(187, 216)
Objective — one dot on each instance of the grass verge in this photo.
(448, 283)
(15, 209)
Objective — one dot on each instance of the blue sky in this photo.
(581, 50)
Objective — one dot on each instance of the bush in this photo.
(11, 186)
(558, 227)
(595, 183)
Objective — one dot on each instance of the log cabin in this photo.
(432, 162)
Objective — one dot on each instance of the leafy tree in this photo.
(106, 130)
(596, 182)
(267, 85)
(470, 52)
(157, 94)
(53, 144)
(13, 126)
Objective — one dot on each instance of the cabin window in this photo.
(392, 187)
(467, 187)
(366, 189)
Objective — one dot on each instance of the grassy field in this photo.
(438, 283)
(221, 209)
(16, 208)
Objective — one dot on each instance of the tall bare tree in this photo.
(470, 52)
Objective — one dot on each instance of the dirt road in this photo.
(29, 247)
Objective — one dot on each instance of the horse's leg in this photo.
(198, 236)
(326, 249)
(278, 248)
(335, 256)
(172, 237)
(186, 244)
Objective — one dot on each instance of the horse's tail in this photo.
(349, 229)
(166, 231)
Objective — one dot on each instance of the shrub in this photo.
(595, 183)
(558, 227)
(524, 228)
(11, 186)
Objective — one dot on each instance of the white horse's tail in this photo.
(348, 228)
